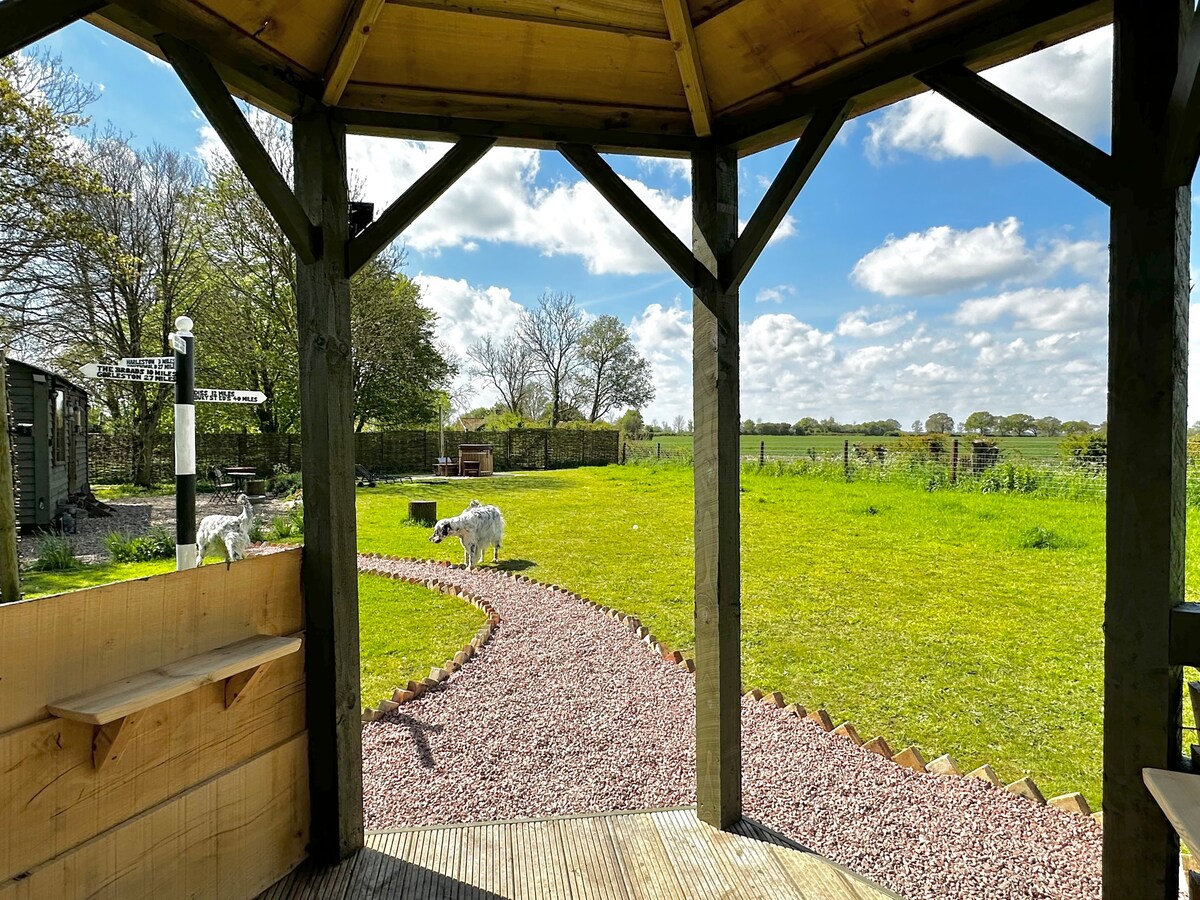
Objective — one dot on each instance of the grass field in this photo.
(792, 445)
(968, 624)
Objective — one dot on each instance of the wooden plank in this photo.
(1147, 420)
(234, 835)
(1185, 635)
(418, 198)
(303, 31)
(56, 646)
(119, 699)
(632, 209)
(643, 858)
(451, 53)
(717, 461)
(24, 21)
(513, 125)
(818, 134)
(1183, 112)
(52, 800)
(1043, 138)
(353, 38)
(691, 69)
(1178, 795)
(327, 462)
(214, 100)
(617, 16)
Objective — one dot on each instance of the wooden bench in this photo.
(1178, 793)
(114, 708)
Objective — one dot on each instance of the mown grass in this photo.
(406, 630)
(964, 623)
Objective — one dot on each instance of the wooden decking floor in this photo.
(660, 854)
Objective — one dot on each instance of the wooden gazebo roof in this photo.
(635, 74)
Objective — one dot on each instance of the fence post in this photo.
(659, 454)
(846, 458)
(954, 463)
(762, 453)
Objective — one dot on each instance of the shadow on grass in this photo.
(515, 565)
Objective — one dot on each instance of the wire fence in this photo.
(968, 466)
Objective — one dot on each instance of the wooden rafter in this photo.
(1183, 112)
(207, 89)
(631, 208)
(691, 70)
(24, 21)
(417, 199)
(1062, 150)
(353, 39)
(822, 128)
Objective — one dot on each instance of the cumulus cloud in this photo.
(467, 313)
(1070, 82)
(861, 324)
(942, 259)
(1039, 308)
(776, 294)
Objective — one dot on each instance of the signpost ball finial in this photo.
(184, 325)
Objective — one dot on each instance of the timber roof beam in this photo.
(24, 21)
(1062, 150)
(353, 39)
(414, 201)
(207, 89)
(1183, 112)
(632, 209)
(691, 69)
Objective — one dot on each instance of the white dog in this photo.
(478, 527)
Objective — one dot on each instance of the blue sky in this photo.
(927, 266)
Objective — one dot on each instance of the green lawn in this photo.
(38, 584)
(792, 445)
(963, 623)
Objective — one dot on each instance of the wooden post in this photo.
(327, 461)
(954, 463)
(762, 453)
(718, 551)
(846, 458)
(1150, 234)
(10, 573)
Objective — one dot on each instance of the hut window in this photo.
(59, 436)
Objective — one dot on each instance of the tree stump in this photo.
(423, 511)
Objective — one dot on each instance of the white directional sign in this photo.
(127, 373)
(208, 395)
(149, 362)
(178, 343)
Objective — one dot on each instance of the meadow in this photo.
(964, 623)
(1031, 448)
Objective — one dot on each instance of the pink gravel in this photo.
(566, 711)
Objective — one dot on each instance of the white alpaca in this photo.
(225, 536)
(478, 527)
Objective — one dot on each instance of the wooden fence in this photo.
(111, 457)
(201, 786)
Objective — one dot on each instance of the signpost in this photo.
(179, 370)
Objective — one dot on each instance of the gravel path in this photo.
(565, 711)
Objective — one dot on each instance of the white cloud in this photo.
(1070, 82)
(944, 259)
(859, 324)
(467, 313)
(1039, 308)
(776, 294)
(161, 63)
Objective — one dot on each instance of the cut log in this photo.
(423, 511)
(944, 765)
(910, 758)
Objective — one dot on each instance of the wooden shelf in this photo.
(1178, 793)
(116, 707)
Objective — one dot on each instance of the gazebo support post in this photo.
(718, 551)
(330, 553)
(1147, 444)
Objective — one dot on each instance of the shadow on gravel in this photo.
(417, 730)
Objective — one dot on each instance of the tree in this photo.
(120, 295)
(678, 424)
(631, 423)
(398, 367)
(807, 425)
(552, 335)
(748, 427)
(939, 423)
(1017, 424)
(507, 366)
(611, 371)
(1048, 426)
(980, 422)
(1078, 426)
(917, 427)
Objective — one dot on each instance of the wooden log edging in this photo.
(909, 757)
(438, 674)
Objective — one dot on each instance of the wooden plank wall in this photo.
(206, 801)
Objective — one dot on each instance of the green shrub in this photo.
(55, 554)
(157, 543)
(282, 527)
(257, 533)
(1039, 538)
(1085, 450)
